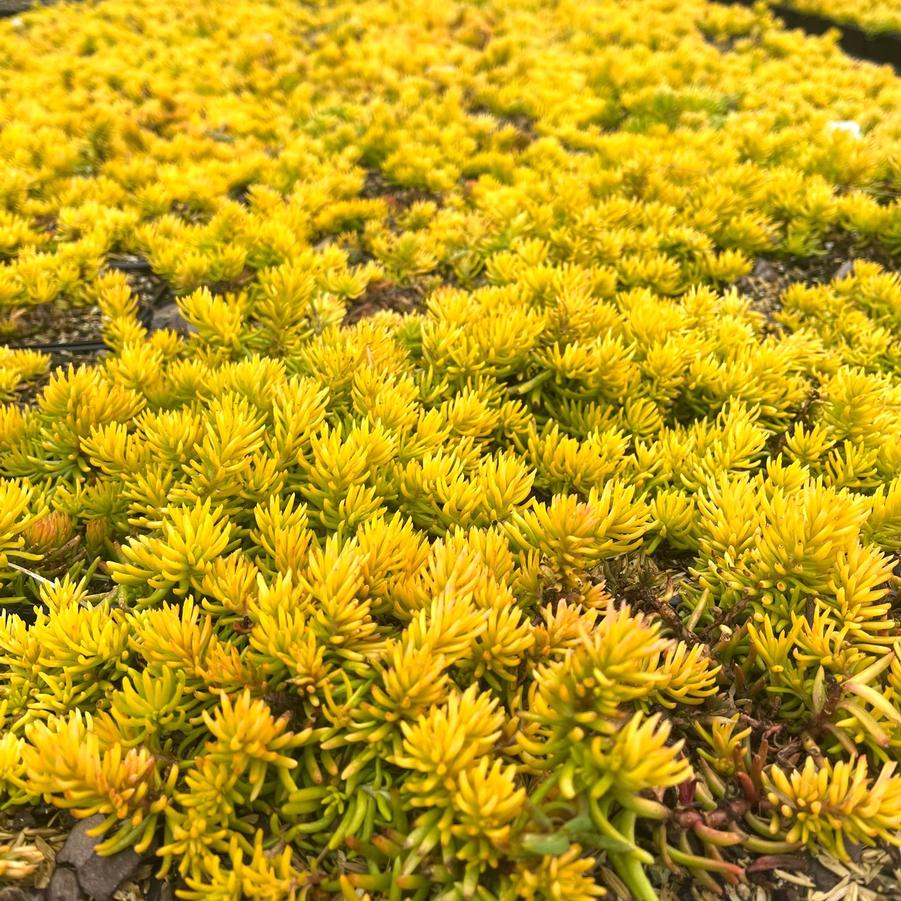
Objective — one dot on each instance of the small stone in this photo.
(79, 846)
(15, 893)
(845, 269)
(764, 269)
(97, 876)
(64, 886)
(169, 316)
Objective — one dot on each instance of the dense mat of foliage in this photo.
(581, 571)
(874, 16)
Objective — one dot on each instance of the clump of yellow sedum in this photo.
(582, 571)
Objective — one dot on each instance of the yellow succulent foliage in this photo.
(482, 532)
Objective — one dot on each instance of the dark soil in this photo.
(58, 327)
(69, 335)
(386, 295)
(52, 325)
(73, 335)
(398, 197)
(14, 7)
(772, 276)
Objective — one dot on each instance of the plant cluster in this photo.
(582, 572)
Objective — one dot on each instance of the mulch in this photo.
(72, 335)
(388, 296)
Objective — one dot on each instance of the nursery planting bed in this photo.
(447, 451)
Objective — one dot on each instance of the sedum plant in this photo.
(480, 534)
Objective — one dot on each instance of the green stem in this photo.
(769, 846)
(693, 861)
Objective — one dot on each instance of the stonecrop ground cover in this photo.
(579, 575)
